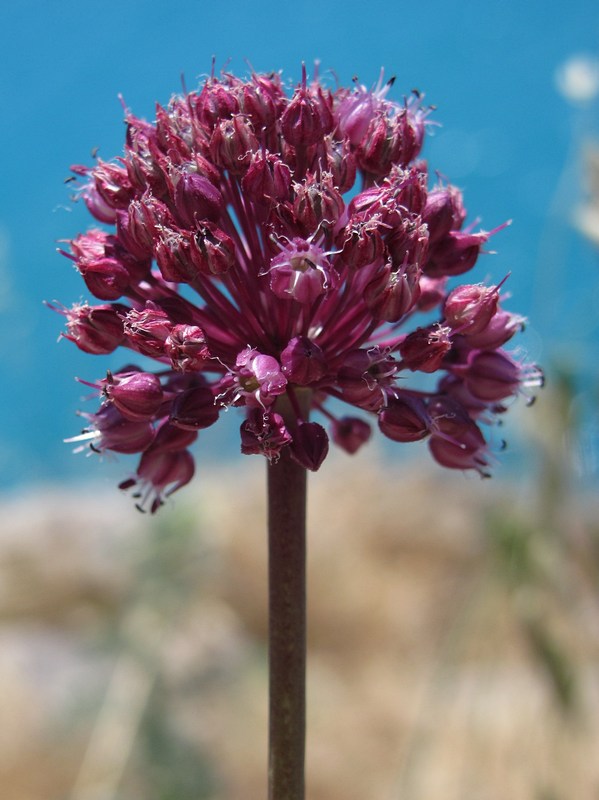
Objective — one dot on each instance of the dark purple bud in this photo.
(169, 438)
(310, 445)
(96, 329)
(212, 250)
(366, 376)
(407, 242)
(454, 387)
(137, 395)
(197, 200)
(444, 212)
(194, 409)
(174, 250)
(425, 348)
(215, 102)
(258, 102)
(381, 146)
(267, 179)
(232, 144)
(264, 433)
(303, 361)
(356, 111)
(105, 276)
(159, 474)
(392, 293)
(469, 309)
(147, 330)
(362, 244)
(456, 441)
(112, 184)
(308, 117)
(97, 206)
(187, 349)
(350, 433)
(410, 127)
(456, 253)
(133, 231)
(340, 163)
(110, 430)
(500, 330)
(317, 202)
(406, 189)
(404, 419)
(493, 375)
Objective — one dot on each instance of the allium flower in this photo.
(232, 253)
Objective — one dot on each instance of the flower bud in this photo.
(493, 375)
(258, 102)
(456, 441)
(310, 445)
(340, 163)
(194, 409)
(233, 143)
(392, 293)
(97, 206)
(380, 147)
(174, 249)
(112, 184)
(407, 242)
(212, 251)
(303, 361)
(96, 329)
(350, 433)
(147, 330)
(105, 275)
(169, 438)
(110, 430)
(186, 347)
(137, 395)
(362, 244)
(425, 348)
(133, 231)
(307, 118)
(404, 419)
(444, 212)
(469, 309)
(159, 474)
(267, 179)
(500, 330)
(366, 376)
(317, 202)
(214, 103)
(197, 199)
(264, 433)
(455, 254)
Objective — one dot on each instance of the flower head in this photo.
(230, 254)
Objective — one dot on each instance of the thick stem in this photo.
(287, 628)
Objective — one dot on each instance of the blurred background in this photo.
(454, 650)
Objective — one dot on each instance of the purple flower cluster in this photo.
(236, 252)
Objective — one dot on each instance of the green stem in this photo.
(287, 628)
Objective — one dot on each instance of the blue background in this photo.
(507, 137)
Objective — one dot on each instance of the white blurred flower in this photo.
(577, 79)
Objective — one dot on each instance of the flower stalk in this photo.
(287, 628)
(287, 485)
